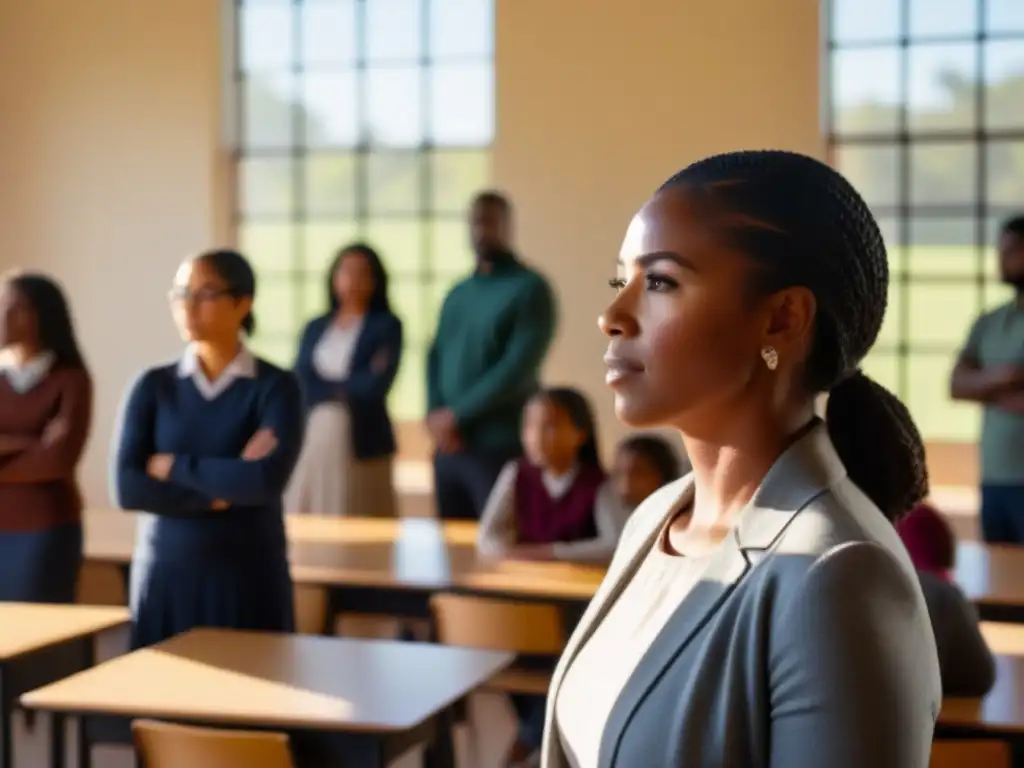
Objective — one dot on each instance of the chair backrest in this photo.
(165, 745)
(498, 625)
(970, 754)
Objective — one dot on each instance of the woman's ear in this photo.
(790, 320)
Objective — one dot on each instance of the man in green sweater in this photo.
(495, 329)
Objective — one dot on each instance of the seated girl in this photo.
(556, 503)
(643, 463)
(965, 662)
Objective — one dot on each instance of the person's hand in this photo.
(219, 504)
(1012, 402)
(159, 465)
(534, 552)
(444, 430)
(54, 431)
(1006, 376)
(14, 443)
(260, 445)
(379, 362)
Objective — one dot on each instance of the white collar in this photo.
(243, 366)
(24, 377)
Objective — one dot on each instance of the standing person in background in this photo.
(346, 364)
(990, 371)
(494, 331)
(45, 415)
(206, 446)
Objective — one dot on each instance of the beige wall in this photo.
(114, 167)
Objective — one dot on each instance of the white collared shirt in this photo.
(332, 355)
(242, 367)
(24, 377)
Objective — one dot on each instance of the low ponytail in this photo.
(879, 444)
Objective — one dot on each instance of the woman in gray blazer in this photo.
(761, 612)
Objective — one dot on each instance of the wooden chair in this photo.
(500, 625)
(166, 745)
(970, 754)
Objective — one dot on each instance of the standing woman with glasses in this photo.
(45, 415)
(205, 448)
(347, 363)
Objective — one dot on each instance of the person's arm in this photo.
(610, 517)
(973, 382)
(315, 388)
(434, 399)
(374, 381)
(239, 481)
(534, 330)
(134, 443)
(971, 668)
(853, 679)
(54, 455)
(497, 532)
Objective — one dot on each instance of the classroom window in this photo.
(925, 115)
(360, 120)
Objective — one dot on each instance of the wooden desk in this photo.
(1001, 712)
(40, 644)
(387, 694)
(1004, 639)
(993, 578)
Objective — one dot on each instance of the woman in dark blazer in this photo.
(346, 364)
(761, 611)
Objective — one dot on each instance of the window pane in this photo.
(462, 105)
(943, 246)
(942, 86)
(1005, 171)
(1004, 71)
(859, 20)
(331, 109)
(1005, 16)
(328, 32)
(269, 247)
(995, 295)
(866, 91)
(943, 174)
(394, 117)
(941, 313)
(932, 18)
(394, 182)
(268, 121)
(461, 29)
(394, 30)
(408, 401)
(265, 36)
(407, 299)
(400, 245)
(450, 252)
(278, 350)
(873, 170)
(883, 367)
(455, 176)
(314, 295)
(322, 240)
(276, 307)
(330, 184)
(889, 336)
(936, 415)
(266, 186)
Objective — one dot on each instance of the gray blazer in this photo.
(806, 643)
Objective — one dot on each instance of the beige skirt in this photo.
(329, 480)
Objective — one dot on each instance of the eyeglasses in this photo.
(203, 295)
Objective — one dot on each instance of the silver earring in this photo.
(771, 357)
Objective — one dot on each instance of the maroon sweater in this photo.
(541, 519)
(38, 488)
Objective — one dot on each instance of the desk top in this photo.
(1004, 639)
(26, 627)
(410, 553)
(992, 574)
(278, 681)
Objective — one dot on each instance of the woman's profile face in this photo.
(684, 334)
(202, 304)
(353, 279)
(18, 320)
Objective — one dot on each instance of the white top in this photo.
(498, 521)
(604, 663)
(242, 367)
(332, 355)
(24, 377)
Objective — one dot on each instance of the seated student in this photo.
(643, 463)
(556, 503)
(965, 662)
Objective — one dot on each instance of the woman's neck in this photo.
(729, 467)
(349, 311)
(560, 468)
(215, 357)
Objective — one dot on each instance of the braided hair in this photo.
(803, 224)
